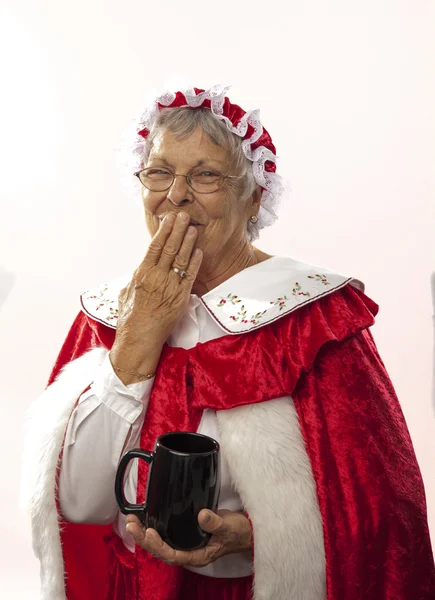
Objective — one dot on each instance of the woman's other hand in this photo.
(231, 533)
(156, 298)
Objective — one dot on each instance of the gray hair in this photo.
(183, 121)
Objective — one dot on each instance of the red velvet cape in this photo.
(369, 486)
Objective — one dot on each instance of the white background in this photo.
(345, 88)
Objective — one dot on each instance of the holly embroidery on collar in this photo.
(297, 291)
(230, 298)
(281, 302)
(241, 315)
(321, 278)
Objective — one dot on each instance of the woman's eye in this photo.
(208, 174)
(158, 172)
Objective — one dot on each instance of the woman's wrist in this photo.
(131, 376)
(130, 368)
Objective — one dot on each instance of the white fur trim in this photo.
(45, 426)
(272, 473)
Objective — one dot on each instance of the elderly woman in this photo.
(321, 495)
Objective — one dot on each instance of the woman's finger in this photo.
(211, 522)
(174, 241)
(158, 548)
(182, 259)
(192, 269)
(123, 294)
(155, 247)
(191, 558)
(150, 540)
(131, 518)
(136, 529)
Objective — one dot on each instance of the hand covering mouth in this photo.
(192, 221)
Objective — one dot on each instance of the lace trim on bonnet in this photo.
(271, 183)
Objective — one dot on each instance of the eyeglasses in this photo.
(200, 180)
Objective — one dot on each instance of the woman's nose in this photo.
(180, 192)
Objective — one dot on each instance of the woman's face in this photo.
(221, 216)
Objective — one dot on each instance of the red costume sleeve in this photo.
(85, 554)
(83, 335)
(369, 485)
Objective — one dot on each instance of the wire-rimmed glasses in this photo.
(203, 181)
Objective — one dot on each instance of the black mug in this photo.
(184, 478)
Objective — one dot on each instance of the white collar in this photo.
(250, 299)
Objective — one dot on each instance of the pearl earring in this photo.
(253, 219)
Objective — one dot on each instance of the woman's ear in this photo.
(255, 200)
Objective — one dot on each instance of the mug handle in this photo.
(136, 509)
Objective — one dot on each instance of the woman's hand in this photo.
(156, 298)
(231, 533)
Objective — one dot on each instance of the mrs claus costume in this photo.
(278, 364)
